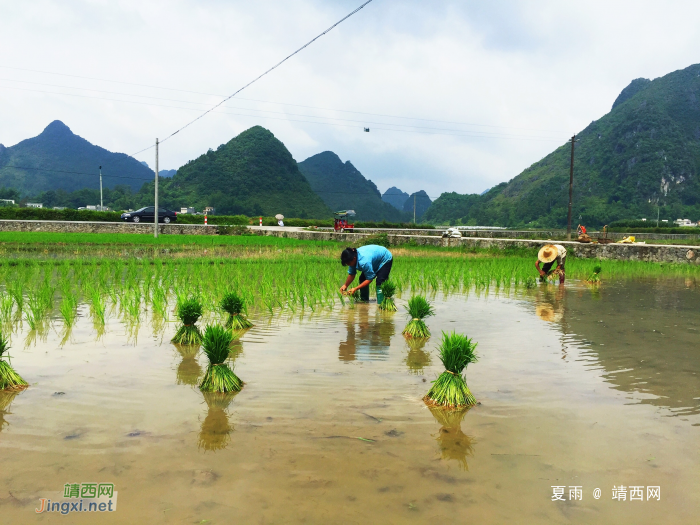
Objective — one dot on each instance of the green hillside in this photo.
(253, 174)
(343, 187)
(420, 201)
(58, 159)
(643, 154)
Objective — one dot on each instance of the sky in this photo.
(458, 95)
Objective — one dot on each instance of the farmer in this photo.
(373, 261)
(548, 255)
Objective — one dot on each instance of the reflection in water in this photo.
(368, 336)
(550, 303)
(454, 444)
(216, 429)
(642, 333)
(417, 358)
(188, 371)
(6, 399)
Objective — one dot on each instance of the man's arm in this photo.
(537, 265)
(350, 279)
(361, 285)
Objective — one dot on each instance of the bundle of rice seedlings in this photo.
(388, 290)
(219, 376)
(594, 278)
(216, 429)
(188, 311)
(9, 379)
(530, 282)
(450, 388)
(418, 308)
(454, 444)
(234, 306)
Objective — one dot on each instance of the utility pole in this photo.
(155, 216)
(102, 208)
(571, 189)
(414, 208)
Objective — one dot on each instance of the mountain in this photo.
(421, 201)
(59, 159)
(645, 152)
(161, 173)
(395, 197)
(343, 187)
(252, 174)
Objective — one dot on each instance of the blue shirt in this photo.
(370, 259)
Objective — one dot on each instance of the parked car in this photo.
(147, 214)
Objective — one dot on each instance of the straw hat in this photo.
(547, 253)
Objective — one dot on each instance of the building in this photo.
(187, 210)
(35, 205)
(209, 210)
(684, 222)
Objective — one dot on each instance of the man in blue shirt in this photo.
(373, 261)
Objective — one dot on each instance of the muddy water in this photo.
(578, 387)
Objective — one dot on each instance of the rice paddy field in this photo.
(582, 386)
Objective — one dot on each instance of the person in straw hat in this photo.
(547, 256)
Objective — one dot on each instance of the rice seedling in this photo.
(7, 303)
(388, 290)
(454, 444)
(219, 376)
(9, 379)
(188, 311)
(530, 282)
(97, 306)
(418, 308)
(594, 278)
(234, 306)
(450, 388)
(6, 399)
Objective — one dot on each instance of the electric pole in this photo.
(155, 215)
(571, 189)
(102, 208)
(414, 208)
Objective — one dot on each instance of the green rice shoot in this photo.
(234, 306)
(188, 311)
(388, 290)
(9, 379)
(219, 376)
(418, 308)
(450, 389)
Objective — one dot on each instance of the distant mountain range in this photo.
(59, 159)
(395, 197)
(417, 203)
(343, 187)
(639, 160)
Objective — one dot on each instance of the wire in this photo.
(268, 71)
(456, 132)
(241, 98)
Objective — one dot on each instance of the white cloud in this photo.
(530, 73)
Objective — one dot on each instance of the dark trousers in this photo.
(381, 276)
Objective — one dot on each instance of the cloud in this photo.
(482, 89)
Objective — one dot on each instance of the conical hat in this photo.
(547, 253)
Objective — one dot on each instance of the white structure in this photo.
(187, 210)
(684, 222)
(209, 210)
(9, 201)
(35, 205)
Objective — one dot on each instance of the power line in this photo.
(455, 132)
(268, 71)
(241, 98)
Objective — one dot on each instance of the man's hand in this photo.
(343, 288)
(542, 274)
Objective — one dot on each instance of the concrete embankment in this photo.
(631, 252)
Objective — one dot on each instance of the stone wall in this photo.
(630, 252)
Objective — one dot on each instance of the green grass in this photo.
(148, 240)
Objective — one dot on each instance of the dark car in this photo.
(147, 214)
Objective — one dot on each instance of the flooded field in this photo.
(590, 387)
